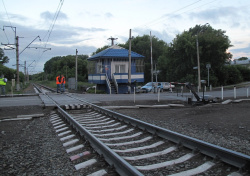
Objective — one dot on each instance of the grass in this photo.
(52, 84)
(8, 88)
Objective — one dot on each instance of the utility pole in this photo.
(112, 40)
(28, 79)
(198, 62)
(129, 63)
(17, 65)
(25, 75)
(76, 70)
(151, 59)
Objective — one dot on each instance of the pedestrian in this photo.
(3, 82)
(58, 83)
(63, 81)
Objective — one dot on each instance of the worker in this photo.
(3, 82)
(63, 83)
(58, 83)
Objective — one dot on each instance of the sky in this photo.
(64, 26)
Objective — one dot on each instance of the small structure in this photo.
(108, 69)
(245, 63)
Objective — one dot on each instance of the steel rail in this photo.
(39, 90)
(121, 166)
(233, 158)
(52, 90)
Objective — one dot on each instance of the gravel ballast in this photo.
(31, 147)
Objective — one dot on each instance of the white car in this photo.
(167, 86)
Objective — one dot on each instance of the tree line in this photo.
(175, 60)
(66, 65)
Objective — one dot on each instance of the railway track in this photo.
(133, 147)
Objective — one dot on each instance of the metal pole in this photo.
(208, 77)
(222, 92)
(247, 92)
(198, 62)
(234, 92)
(134, 95)
(17, 64)
(25, 75)
(76, 70)
(129, 63)
(158, 95)
(151, 59)
(28, 77)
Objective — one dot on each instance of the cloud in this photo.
(63, 41)
(49, 16)
(223, 15)
(161, 35)
(241, 52)
(108, 15)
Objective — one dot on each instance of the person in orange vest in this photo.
(63, 81)
(58, 83)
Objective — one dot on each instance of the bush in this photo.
(92, 90)
(245, 72)
(234, 75)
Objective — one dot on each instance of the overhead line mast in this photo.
(112, 40)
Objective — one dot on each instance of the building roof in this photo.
(240, 62)
(115, 52)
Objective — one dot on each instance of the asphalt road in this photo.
(7, 101)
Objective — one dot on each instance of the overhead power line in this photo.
(6, 12)
(54, 20)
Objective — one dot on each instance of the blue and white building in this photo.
(108, 69)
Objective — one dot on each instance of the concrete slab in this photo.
(20, 101)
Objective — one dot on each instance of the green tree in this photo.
(3, 59)
(234, 75)
(141, 45)
(100, 49)
(245, 72)
(66, 65)
(242, 58)
(181, 56)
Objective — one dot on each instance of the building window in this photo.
(120, 69)
(139, 65)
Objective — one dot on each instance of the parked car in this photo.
(167, 86)
(149, 87)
